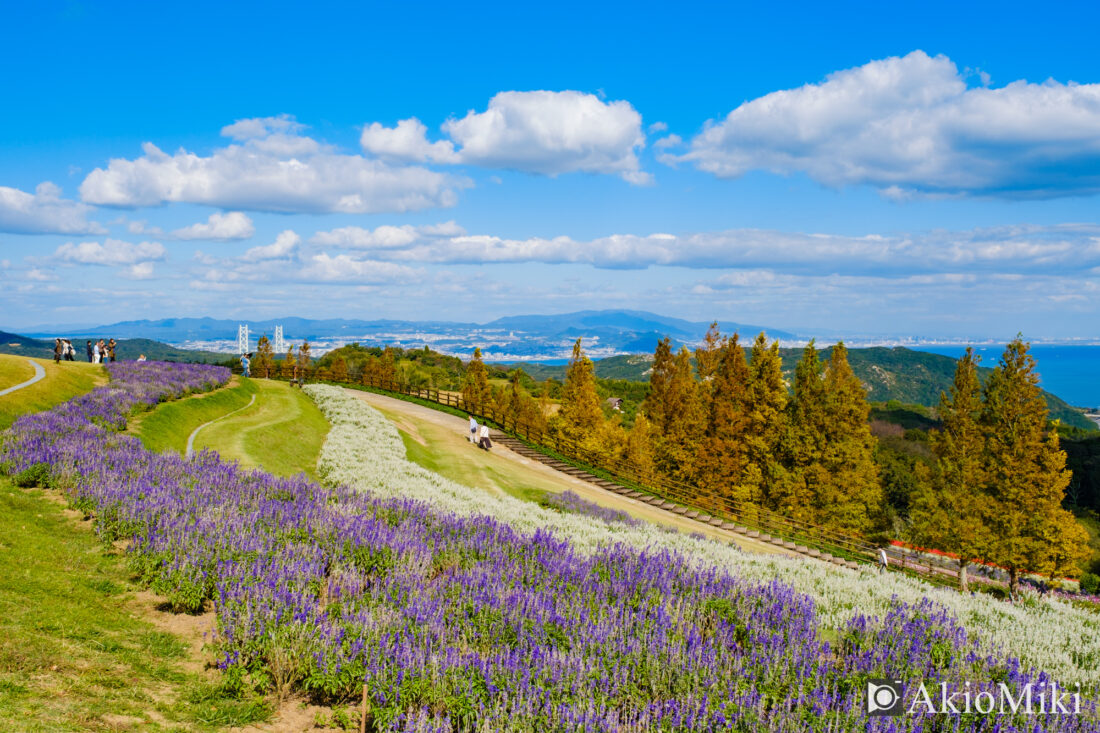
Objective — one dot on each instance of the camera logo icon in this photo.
(884, 697)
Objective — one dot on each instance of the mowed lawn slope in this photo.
(282, 432)
(167, 427)
(63, 382)
(14, 371)
(438, 442)
(80, 647)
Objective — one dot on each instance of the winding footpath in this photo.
(191, 438)
(39, 375)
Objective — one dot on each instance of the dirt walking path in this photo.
(414, 419)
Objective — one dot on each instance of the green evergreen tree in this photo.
(852, 497)
(387, 368)
(723, 451)
(265, 358)
(683, 421)
(950, 512)
(766, 422)
(339, 370)
(305, 361)
(638, 453)
(660, 374)
(828, 450)
(803, 442)
(1026, 478)
(580, 416)
(475, 387)
(708, 356)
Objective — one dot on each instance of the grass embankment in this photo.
(13, 372)
(282, 432)
(452, 456)
(168, 425)
(444, 449)
(78, 651)
(63, 382)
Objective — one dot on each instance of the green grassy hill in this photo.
(63, 382)
(282, 431)
(11, 343)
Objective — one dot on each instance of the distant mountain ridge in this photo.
(608, 332)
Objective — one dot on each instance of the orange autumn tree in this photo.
(722, 456)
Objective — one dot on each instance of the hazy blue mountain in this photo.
(617, 330)
(639, 322)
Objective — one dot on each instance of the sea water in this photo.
(1071, 372)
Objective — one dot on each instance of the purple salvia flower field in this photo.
(465, 623)
(567, 501)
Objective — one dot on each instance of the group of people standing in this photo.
(98, 352)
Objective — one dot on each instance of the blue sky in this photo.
(852, 168)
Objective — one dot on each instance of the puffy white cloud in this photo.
(347, 269)
(407, 141)
(40, 275)
(139, 271)
(1014, 249)
(284, 247)
(385, 236)
(222, 227)
(259, 127)
(272, 167)
(443, 229)
(110, 252)
(911, 124)
(537, 132)
(141, 227)
(44, 212)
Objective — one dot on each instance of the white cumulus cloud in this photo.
(912, 124)
(271, 167)
(537, 132)
(407, 141)
(139, 271)
(285, 246)
(221, 227)
(347, 269)
(44, 212)
(1023, 249)
(110, 252)
(385, 236)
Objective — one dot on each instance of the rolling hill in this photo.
(11, 343)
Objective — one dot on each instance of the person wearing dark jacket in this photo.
(111, 349)
(89, 352)
(58, 349)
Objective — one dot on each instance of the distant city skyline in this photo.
(927, 171)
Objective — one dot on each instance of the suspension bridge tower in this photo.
(242, 339)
